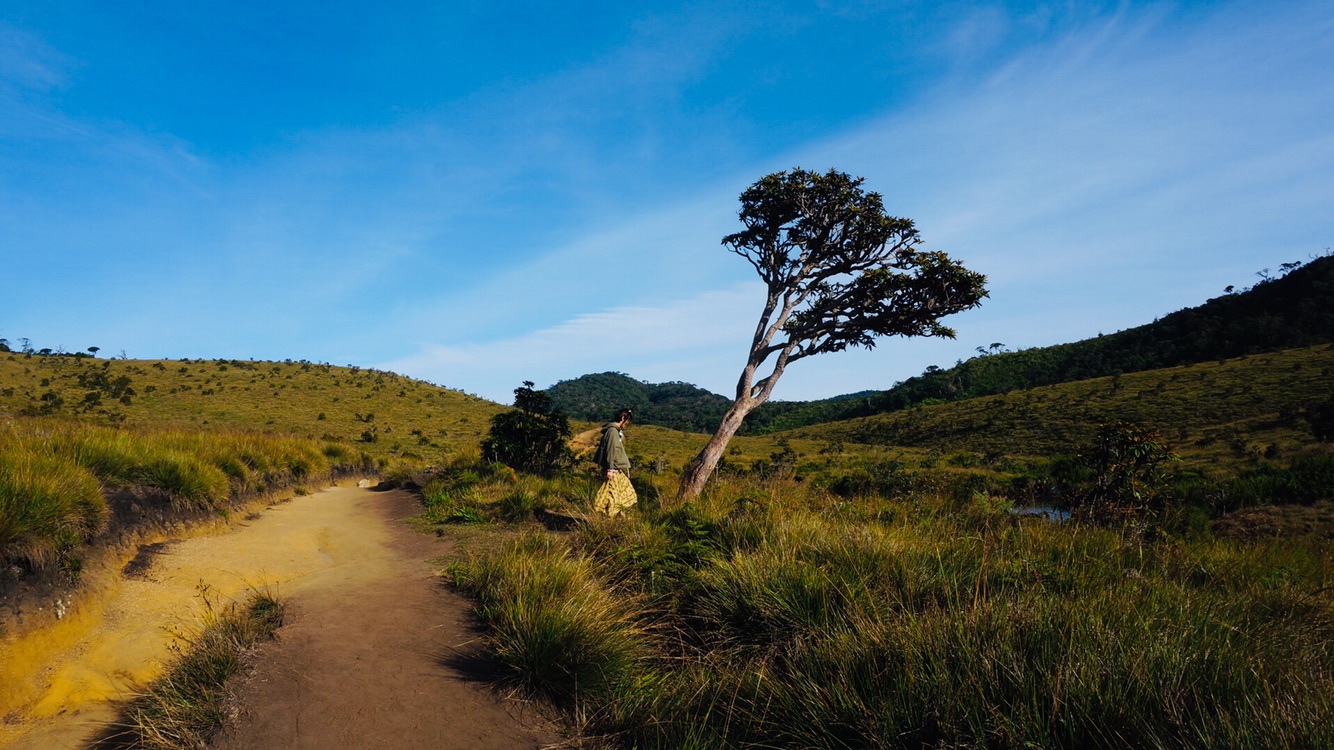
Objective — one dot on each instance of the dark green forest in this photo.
(1291, 308)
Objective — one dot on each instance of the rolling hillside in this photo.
(1219, 416)
(381, 413)
(677, 406)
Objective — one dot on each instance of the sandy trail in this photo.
(375, 653)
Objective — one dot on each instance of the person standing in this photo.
(616, 493)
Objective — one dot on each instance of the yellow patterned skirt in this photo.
(615, 495)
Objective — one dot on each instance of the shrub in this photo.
(530, 438)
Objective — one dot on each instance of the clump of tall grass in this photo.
(456, 503)
(558, 629)
(184, 707)
(466, 491)
(199, 470)
(48, 503)
(53, 476)
(248, 463)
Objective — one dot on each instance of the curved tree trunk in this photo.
(700, 468)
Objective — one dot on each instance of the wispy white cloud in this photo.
(1122, 172)
(26, 62)
(1111, 177)
(650, 342)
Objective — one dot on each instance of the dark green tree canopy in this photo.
(532, 437)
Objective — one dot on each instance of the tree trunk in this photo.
(699, 470)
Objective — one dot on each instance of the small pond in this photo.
(1048, 512)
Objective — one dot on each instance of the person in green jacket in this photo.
(616, 493)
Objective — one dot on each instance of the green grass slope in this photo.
(1218, 415)
(1291, 310)
(380, 413)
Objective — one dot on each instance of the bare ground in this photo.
(377, 654)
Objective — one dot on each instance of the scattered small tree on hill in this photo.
(531, 438)
(838, 272)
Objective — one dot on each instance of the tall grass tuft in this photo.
(184, 707)
(557, 628)
(48, 504)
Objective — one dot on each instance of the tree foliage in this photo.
(1126, 463)
(530, 438)
(838, 272)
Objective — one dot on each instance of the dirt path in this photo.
(375, 653)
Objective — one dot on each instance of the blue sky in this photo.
(479, 195)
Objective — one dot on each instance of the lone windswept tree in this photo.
(839, 273)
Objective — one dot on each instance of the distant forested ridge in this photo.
(680, 406)
(1294, 308)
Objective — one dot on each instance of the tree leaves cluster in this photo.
(530, 438)
(838, 272)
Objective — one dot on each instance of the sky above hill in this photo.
(478, 194)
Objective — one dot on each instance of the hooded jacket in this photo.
(611, 450)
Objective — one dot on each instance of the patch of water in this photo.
(1048, 512)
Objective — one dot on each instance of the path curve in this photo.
(375, 653)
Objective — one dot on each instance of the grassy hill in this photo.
(204, 432)
(380, 413)
(94, 451)
(1289, 311)
(1217, 415)
(1220, 412)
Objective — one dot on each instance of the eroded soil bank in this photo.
(375, 653)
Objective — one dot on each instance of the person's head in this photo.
(623, 416)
